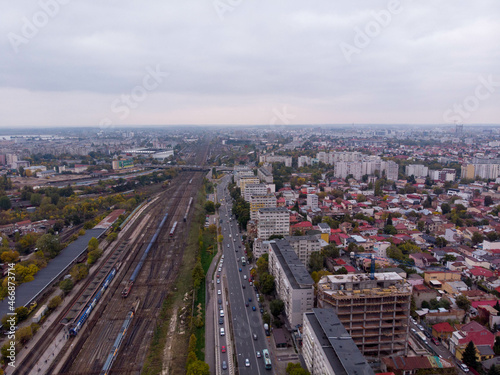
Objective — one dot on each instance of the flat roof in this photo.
(273, 209)
(340, 350)
(294, 269)
(28, 292)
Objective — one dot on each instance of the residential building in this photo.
(482, 338)
(260, 248)
(287, 160)
(250, 189)
(272, 220)
(303, 161)
(258, 201)
(247, 180)
(304, 246)
(312, 201)
(265, 175)
(294, 286)
(375, 311)
(417, 170)
(327, 347)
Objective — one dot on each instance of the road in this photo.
(245, 321)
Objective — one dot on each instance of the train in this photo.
(131, 280)
(118, 341)
(187, 210)
(172, 231)
(92, 304)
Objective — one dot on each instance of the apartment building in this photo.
(374, 312)
(367, 167)
(417, 170)
(272, 220)
(328, 348)
(303, 161)
(294, 285)
(304, 246)
(265, 175)
(253, 189)
(312, 201)
(258, 201)
(287, 160)
(244, 181)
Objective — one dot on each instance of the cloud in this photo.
(235, 69)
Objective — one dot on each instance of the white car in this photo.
(247, 362)
(219, 292)
(218, 281)
(244, 277)
(220, 269)
(464, 367)
(222, 333)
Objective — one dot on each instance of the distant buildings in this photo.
(287, 160)
(417, 170)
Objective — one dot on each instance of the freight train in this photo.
(130, 282)
(92, 304)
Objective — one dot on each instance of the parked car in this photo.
(464, 367)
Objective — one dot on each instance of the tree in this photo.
(66, 285)
(5, 203)
(390, 229)
(198, 275)
(93, 244)
(277, 306)
(9, 256)
(494, 370)
(79, 271)
(316, 261)
(198, 368)
(488, 201)
(296, 369)
(477, 237)
(496, 346)
(22, 313)
(394, 252)
(445, 208)
(49, 245)
(267, 283)
(470, 356)
(449, 257)
(330, 251)
(420, 225)
(262, 264)
(275, 237)
(463, 302)
(36, 199)
(441, 242)
(220, 238)
(54, 302)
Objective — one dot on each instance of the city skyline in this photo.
(233, 63)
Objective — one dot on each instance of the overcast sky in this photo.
(121, 62)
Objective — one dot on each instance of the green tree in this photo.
(463, 302)
(49, 245)
(394, 252)
(198, 274)
(470, 356)
(477, 237)
(79, 271)
(267, 283)
(209, 207)
(66, 285)
(330, 251)
(488, 201)
(296, 369)
(449, 258)
(262, 264)
(54, 302)
(277, 306)
(5, 203)
(316, 261)
(93, 244)
(390, 229)
(22, 313)
(445, 208)
(198, 368)
(36, 199)
(441, 242)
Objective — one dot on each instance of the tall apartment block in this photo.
(272, 220)
(294, 285)
(258, 201)
(374, 312)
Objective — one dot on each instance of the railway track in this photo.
(89, 354)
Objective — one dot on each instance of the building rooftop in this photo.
(341, 351)
(294, 269)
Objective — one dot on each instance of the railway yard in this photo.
(108, 325)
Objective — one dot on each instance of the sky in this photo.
(232, 62)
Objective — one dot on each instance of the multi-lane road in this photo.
(237, 292)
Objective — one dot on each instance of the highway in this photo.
(245, 321)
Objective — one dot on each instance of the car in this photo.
(228, 245)
(244, 277)
(236, 249)
(243, 286)
(464, 367)
(414, 330)
(221, 313)
(218, 275)
(219, 300)
(221, 320)
(224, 365)
(257, 295)
(254, 335)
(253, 308)
(222, 332)
(420, 327)
(247, 362)
(250, 283)
(219, 292)
(222, 256)
(220, 269)
(240, 269)
(436, 342)
(223, 349)
(234, 239)
(262, 311)
(258, 354)
(218, 281)
(249, 299)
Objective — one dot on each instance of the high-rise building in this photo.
(417, 170)
(258, 201)
(294, 286)
(374, 312)
(328, 348)
(312, 201)
(273, 221)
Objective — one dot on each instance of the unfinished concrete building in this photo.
(374, 312)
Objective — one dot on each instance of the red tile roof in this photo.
(443, 327)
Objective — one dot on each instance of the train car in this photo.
(130, 282)
(92, 304)
(172, 231)
(188, 208)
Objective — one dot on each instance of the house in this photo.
(442, 331)
(455, 287)
(423, 260)
(479, 273)
(435, 278)
(411, 365)
(482, 338)
(423, 293)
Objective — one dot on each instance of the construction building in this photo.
(374, 309)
